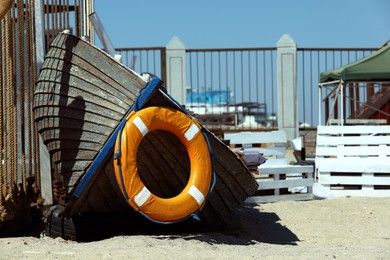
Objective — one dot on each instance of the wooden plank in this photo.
(269, 152)
(347, 158)
(360, 151)
(80, 96)
(278, 169)
(365, 179)
(327, 140)
(284, 197)
(366, 129)
(256, 137)
(271, 184)
(366, 191)
(352, 165)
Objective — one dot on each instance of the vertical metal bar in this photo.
(154, 62)
(242, 76)
(141, 61)
(327, 114)
(342, 102)
(352, 100)
(197, 72)
(55, 18)
(272, 83)
(319, 104)
(318, 66)
(30, 83)
(303, 87)
(211, 70)
(333, 59)
(163, 64)
(311, 90)
(67, 14)
(83, 17)
(205, 74)
(39, 58)
(12, 106)
(257, 84)
(191, 81)
(227, 72)
(77, 17)
(20, 102)
(326, 60)
(3, 82)
(147, 62)
(341, 58)
(358, 102)
(264, 78)
(234, 78)
(349, 56)
(249, 76)
(219, 72)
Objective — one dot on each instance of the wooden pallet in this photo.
(354, 160)
(277, 179)
(289, 182)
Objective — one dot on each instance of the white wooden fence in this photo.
(354, 160)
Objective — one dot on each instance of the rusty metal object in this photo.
(5, 5)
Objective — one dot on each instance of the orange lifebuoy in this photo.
(193, 196)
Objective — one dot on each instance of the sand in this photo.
(342, 228)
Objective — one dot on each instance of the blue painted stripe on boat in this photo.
(145, 94)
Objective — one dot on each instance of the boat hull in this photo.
(81, 97)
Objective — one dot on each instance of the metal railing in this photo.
(236, 88)
(310, 63)
(249, 77)
(20, 157)
(239, 81)
(144, 60)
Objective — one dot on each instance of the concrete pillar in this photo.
(287, 86)
(176, 70)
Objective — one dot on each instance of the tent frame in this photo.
(337, 88)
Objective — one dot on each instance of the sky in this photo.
(246, 23)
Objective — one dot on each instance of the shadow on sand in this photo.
(246, 226)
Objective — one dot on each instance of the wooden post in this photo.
(352, 100)
(175, 69)
(287, 86)
(45, 171)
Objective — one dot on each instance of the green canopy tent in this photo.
(373, 68)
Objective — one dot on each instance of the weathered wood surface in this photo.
(80, 98)
(165, 171)
(234, 182)
(295, 180)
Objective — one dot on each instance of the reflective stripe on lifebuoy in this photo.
(193, 196)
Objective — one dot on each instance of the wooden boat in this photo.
(81, 99)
